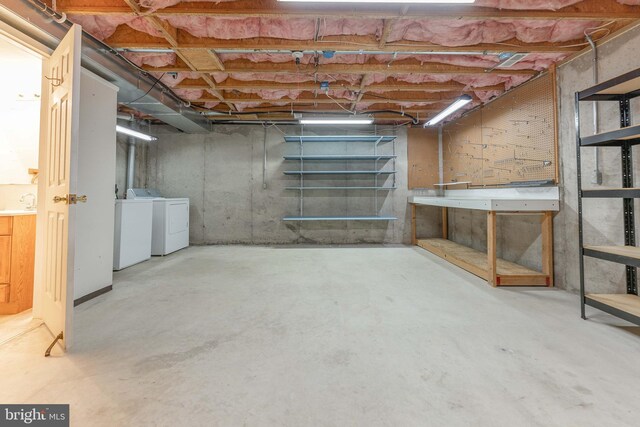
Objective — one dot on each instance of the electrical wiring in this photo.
(147, 92)
(338, 104)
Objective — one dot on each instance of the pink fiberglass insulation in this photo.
(245, 105)
(445, 32)
(526, 4)
(272, 94)
(471, 80)
(159, 4)
(281, 28)
(173, 79)
(189, 94)
(151, 59)
(465, 32)
(220, 77)
(486, 95)
(533, 61)
(102, 27)
(499, 4)
(263, 57)
(193, 94)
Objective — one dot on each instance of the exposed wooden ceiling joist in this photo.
(585, 10)
(126, 37)
(398, 67)
(394, 86)
(171, 36)
(333, 108)
(310, 97)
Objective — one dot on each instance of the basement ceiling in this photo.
(234, 59)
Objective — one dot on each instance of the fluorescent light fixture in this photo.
(457, 104)
(135, 133)
(383, 1)
(336, 121)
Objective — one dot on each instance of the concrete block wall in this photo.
(222, 173)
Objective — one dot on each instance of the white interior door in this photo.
(59, 164)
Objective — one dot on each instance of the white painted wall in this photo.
(19, 113)
(96, 180)
(10, 194)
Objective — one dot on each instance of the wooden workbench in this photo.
(496, 271)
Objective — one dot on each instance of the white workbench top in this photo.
(16, 212)
(505, 200)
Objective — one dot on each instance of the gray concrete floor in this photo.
(328, 337)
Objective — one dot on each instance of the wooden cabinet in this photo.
(17, 257)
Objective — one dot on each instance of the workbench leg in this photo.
(445, 223)
(414, 239)
(547, 246)
(491, 249)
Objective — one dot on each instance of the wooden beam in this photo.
(200, 59)
(443, 103)
(325, 109)
(547, 246)
(333, 108)
(386, 30)
(363, 82)
(284, 116)
(216, 59)
(170, 34)
(584, 10)
(399, 67)
(389, 86)
(445, 223)
(492, 269)
(414, 237)
(127, 38)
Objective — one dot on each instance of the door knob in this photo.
(70, 199)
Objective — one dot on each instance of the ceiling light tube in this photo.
(457, 104)
(135, 133)
(384, 1)
(336, 121)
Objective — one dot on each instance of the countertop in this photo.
(497, 204)
(16, 212)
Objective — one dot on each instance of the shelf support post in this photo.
(414, 238)
(492, 272)
(547, 246)
(445, 223)
(628, 204)
(580, 231)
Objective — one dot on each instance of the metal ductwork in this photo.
(28, 17)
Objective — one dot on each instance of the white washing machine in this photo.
(133, 230)
(170, 229)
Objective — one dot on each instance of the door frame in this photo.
(44, 52)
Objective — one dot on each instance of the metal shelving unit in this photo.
(377, 173)
(621, 89)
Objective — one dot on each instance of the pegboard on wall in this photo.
(510, 140)
(422, 154)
